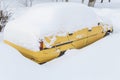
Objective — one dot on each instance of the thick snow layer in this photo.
(49, 19)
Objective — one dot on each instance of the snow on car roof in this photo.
(56, 17)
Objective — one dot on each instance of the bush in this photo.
(4, 15)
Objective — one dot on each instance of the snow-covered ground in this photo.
(1, 36)
(98, 61)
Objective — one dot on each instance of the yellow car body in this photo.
(75, 40)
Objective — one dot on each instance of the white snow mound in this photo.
(48, 19)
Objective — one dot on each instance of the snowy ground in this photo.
(98, 61)
(1, 36)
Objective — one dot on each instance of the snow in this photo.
(49, 19)
(1, 36)
(94, 62)
(98, 61)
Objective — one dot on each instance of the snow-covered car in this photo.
(46, 31)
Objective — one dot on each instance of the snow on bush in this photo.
(49, 19)
(5, 14)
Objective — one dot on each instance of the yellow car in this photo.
(25, 38)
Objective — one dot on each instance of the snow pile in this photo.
(48, 19)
